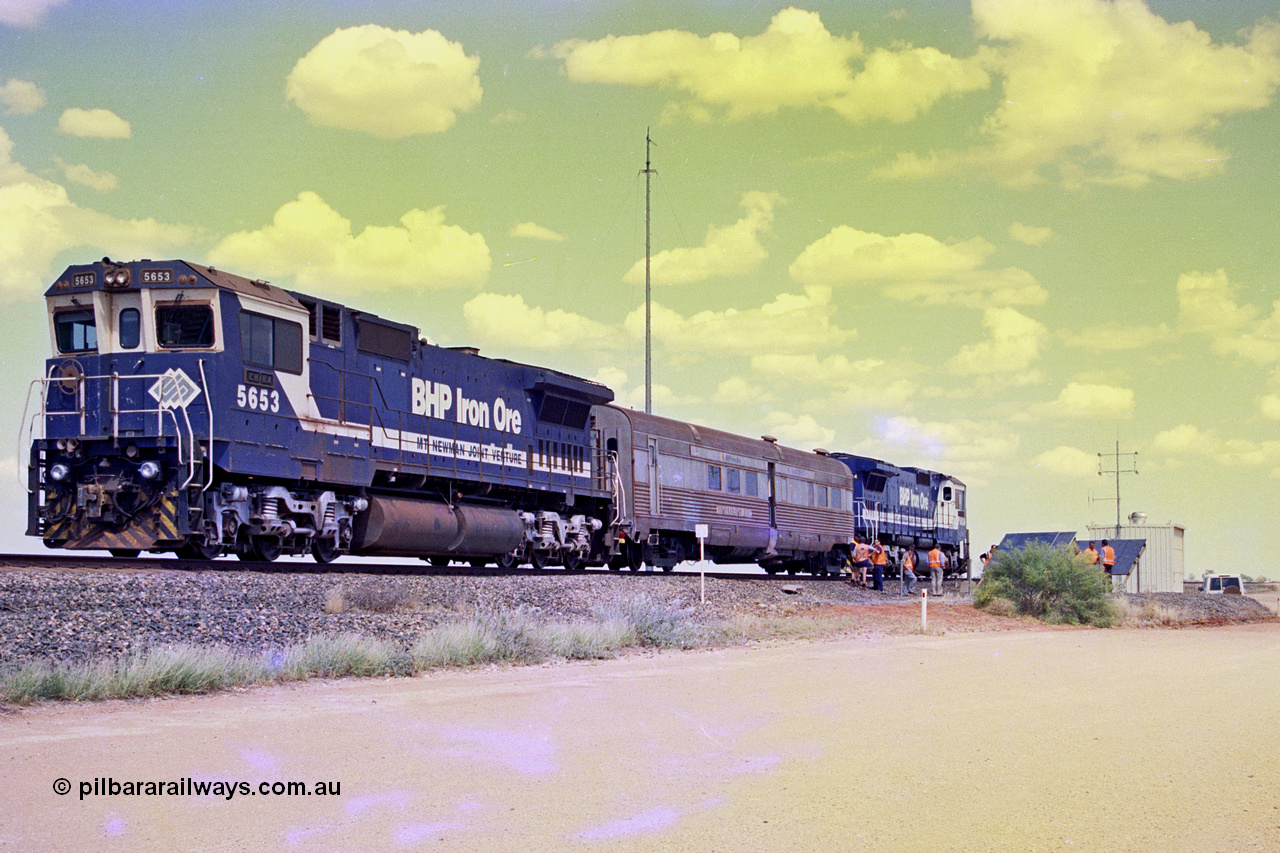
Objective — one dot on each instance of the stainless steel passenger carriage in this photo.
(763, 503)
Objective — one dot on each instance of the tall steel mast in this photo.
(648, 288)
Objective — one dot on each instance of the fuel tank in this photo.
(400, 527)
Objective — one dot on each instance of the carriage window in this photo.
(75, 331)
(713, 477)
(182, 325)
(822, 495)
(271, 342)
(752, 484)
(735, 480)
(130, 328)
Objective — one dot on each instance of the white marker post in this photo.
(924, 610)
(702, 531)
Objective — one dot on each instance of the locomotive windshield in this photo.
(183, 325)
(75, 331)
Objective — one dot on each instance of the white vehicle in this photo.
(1222, 584)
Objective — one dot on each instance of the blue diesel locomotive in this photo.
(189, 410)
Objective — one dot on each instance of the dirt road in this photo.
(1017, 741)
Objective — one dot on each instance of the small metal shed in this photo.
(1160, 567)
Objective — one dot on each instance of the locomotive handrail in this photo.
(24, 448)
(113, 401)
(204, 384)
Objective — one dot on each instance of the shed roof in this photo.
(1127, 553)
(1022, 540)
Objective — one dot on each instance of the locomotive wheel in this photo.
(193, 550)
(263, 549)
(324, 551)
(616, 563)
(572, 561)
(126, 553)
(537, 559)
(508, 561)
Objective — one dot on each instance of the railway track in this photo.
(72, 562)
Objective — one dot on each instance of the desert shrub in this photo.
(1048, 583)
(340, 655)
(372, 596)
(656, 625)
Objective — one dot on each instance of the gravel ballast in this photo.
(80, 616)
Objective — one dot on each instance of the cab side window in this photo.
(130, 328)
(181, 325)
(271, 342)
(75, 331)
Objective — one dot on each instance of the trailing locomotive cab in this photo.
(904, 508)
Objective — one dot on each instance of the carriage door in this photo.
(773, 496)
(655, 494)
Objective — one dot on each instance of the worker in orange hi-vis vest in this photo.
(1108, 557)
(936, 562)
(909, 571)
(860, 554)
(879, 559)
(1091, 554)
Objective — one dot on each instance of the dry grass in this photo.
(1146, 613)
(371, 596)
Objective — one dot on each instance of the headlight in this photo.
(149, 470)
(59, 472)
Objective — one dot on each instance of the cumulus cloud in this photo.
(26, 14)
(317, 247)
(1207, 305)
(41, 222)
(96, 124)
(1112, 336)
(788, 324)
(1030, 234)
(962, 447)
(1106, 92)
(498, 320)
(915, 267)
(390, 83)
(1189, 442)
(533, 231)
(836, 380)
(82, 174)
(802, 431)
(1091, 401)
(1011, 346)
(795, 63)
(21, 97)
(729, 250)
(1065, 461)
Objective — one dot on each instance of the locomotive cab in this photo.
(123, 443)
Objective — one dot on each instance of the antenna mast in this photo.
(1117, 470)
(648, 287)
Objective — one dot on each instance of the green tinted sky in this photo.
(986, 238)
